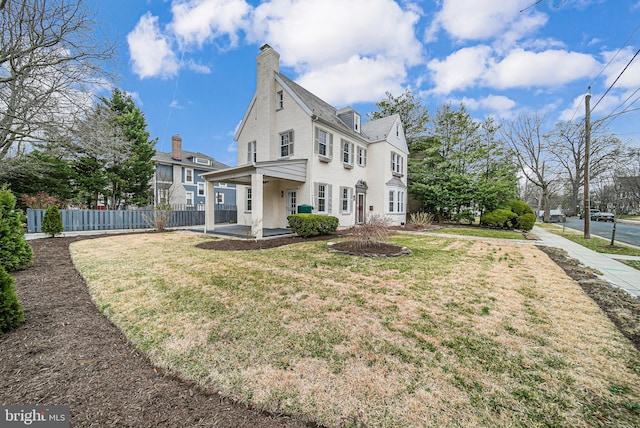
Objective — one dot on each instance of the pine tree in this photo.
(15, 253)
(11, 314)
(52, 222)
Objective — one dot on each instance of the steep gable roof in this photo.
(371, 131)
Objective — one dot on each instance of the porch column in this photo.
(257, 205)
(209, 206)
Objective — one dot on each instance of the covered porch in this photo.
(266, 208)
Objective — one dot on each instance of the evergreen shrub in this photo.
(307, 225)
(11, 314)
(499, 218)
(15, 252)
(52, 222)
(526, 221)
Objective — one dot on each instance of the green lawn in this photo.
(597, 244)
(460, 333)
(479, 232)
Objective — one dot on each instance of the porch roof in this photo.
(288, 169)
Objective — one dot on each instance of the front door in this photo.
(360, 208)
(292, 203)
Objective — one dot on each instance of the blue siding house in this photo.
(178, 182)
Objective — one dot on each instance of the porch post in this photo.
(257, 206)
(209, 207)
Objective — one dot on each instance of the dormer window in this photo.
(356, 122)
(202, 161)
(279, 100)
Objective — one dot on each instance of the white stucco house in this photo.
(295, 149)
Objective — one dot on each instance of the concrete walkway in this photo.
(613, 271)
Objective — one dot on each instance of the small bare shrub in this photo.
(372, 232)
(160, 217)
(420, 219)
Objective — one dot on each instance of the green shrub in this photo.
(526, 221)
(519, 207)
(11, 314)
(499, 218)
(306, 225)
(15, 253)
(52, 221)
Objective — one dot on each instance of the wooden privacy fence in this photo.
(82, 220)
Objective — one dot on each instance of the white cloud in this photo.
(629, 78)
(523, 69)
(356, 80)
(498, 104)
(196, 22)
(310, 33)
(461, 69)
(150, 50)
(485, 19)
(198, 68)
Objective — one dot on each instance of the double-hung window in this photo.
(200, 189)
(395, 201)
(286, 143)
(219, 198)
(347, 154)
(397, 167)
(188, 175)
(362, 156)
(279, 100)
(323, 198)
(251, 152)
(345, 200)
(189, 199)
(248, 200)
(324, 144)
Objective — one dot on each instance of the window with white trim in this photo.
(189, 199)
(249, 201)
(219, 198)
(362, 156)
(188, 175)
(397, 162)
(395, 201)
(324, 144)
(345, 200)
(347, 153)
(200, 189)
(323, 198)
(251, 152)
(279, 100)
(286, 143)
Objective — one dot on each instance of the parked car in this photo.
(601, 216)
(591, 213)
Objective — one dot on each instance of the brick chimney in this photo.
(176, 147)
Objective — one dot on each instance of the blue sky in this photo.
(190, 64)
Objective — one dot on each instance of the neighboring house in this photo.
(178, 179)
(295, 149)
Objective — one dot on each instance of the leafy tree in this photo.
(52, 222)
(11, 314)
(15, 253)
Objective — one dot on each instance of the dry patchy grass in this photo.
(460, 333)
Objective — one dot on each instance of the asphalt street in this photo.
(629, 233)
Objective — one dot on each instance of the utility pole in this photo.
(587, 152)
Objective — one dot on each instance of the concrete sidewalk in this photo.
(613, 271)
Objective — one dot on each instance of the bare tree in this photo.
(525, 136)
(49, 62)
(567, 143)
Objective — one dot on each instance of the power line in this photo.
(617, 78)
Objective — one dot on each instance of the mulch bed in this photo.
(67, 353)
